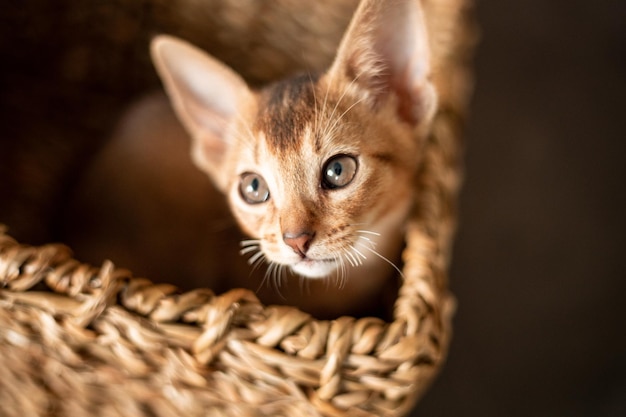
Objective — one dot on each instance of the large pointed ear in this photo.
(385, 52)
(206, 96)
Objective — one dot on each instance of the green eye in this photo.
(338, 171)
(253, 188)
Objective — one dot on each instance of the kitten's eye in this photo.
(253, 188)
(338, 171)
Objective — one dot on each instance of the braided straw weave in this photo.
(79, 340)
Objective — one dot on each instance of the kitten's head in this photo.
(317, 168)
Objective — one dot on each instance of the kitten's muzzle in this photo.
(299, 242)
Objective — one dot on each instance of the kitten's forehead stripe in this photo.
(285, 109)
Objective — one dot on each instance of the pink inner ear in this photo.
(209, 152)
(206, 119)
(386, 51)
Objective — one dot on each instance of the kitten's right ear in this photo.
(206, 96)
(385, 51)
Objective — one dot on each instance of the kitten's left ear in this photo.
(385, 51)
(206, 95)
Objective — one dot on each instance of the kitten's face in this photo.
(319, 178)
(317, 171)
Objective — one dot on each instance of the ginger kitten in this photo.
(317, 169)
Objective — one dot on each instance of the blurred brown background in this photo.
(538, 273)
(539, 269)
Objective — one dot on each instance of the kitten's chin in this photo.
(310, 268)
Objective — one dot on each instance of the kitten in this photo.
(317, 169)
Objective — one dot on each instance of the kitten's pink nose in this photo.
(299, 242)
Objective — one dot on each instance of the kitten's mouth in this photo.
(314, 268)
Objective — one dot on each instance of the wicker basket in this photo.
(78, 340)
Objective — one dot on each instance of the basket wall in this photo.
(82, 340)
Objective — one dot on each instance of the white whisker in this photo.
(272, 278)
(340, 282)
(270, 273)
(345, 91)
(255, 257)
(249, 242)
(248, 249)
(369, 241)
(330, 130)
(383, 258)
(341, 273)
(360, 254)
(256, 264)
(368, 232)
(324, 115)
(264, 281)
(351, 258)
